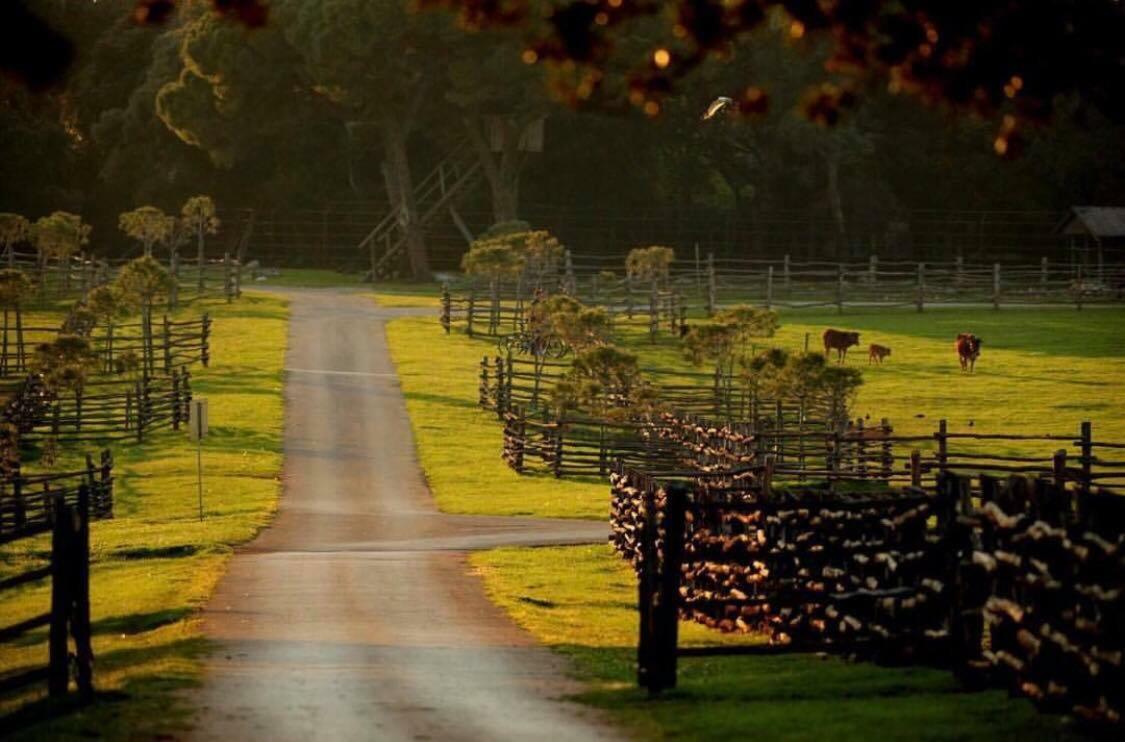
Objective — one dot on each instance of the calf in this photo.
(839, 341)
(968, 350)
(876, 353)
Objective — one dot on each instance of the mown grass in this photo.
(459, 444)
(155, 563)
(387, 293)
(1041, 371)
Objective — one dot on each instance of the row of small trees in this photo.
(139, 285)
(606, 380)
(61, 235)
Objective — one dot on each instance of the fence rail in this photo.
(68, 616)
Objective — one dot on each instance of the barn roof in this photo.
(1097, 221)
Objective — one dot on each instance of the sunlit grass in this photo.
(156, 563)
(458, 443)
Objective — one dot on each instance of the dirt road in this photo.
(354, 616)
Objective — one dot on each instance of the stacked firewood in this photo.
(818, 569)
(1049, 574)
(808, 568)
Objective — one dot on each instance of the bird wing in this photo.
(716, 105)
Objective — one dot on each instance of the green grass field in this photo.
(155, 563)
(387, 293)
(1040, 371)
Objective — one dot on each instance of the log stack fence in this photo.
(1020, 585)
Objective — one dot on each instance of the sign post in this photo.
(197, 429)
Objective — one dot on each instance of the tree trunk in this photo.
(199, 257)
(400, 188)
(835, 201)
(503, 172)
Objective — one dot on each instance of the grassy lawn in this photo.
(155, 563)
(387, 293)
(1041, 371)
(459, 444)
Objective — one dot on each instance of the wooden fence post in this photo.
(502, 405)
(469, 316)
(653, 313)
(446, 308)
(80, 592)
(1058, 468)
(915, 468)
(227, 283)
(658, 591)
(167, 333)
(58, 679)
(521, 437)
(839, 288)
(995, 285)
(1087, 460)
(921, 302)
(205, 340)
(769, 287)
(873, 268)
(942, 436)
(712, 289)
(176, 405)
(174, 288)
(558, 445)
(785, 271)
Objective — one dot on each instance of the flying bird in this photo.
(717, 105)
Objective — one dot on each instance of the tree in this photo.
(140, 283)
(198, 217)
(14, 229)
(984, 57)
(580, 327)
(15, 288)
(59, 236)
(65, 363)
(650, 264)
(148, 225)
(607, 383)
(500, 100)
(374, 63)
(106, 304)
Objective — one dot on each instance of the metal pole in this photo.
(199, 472)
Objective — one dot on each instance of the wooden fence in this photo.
(897, 574)
(68, 616)
(708, 285)
(27, 501)
(75, 277)
(105, 408)
(510, 381)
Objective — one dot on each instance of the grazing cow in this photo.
(839, 341)
(876, 353)
(968, 350)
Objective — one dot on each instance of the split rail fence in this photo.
(67, 617)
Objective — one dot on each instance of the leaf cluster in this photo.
(649, 263)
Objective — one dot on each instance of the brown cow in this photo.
(839, 341)
(968, 350)
(876, 353)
